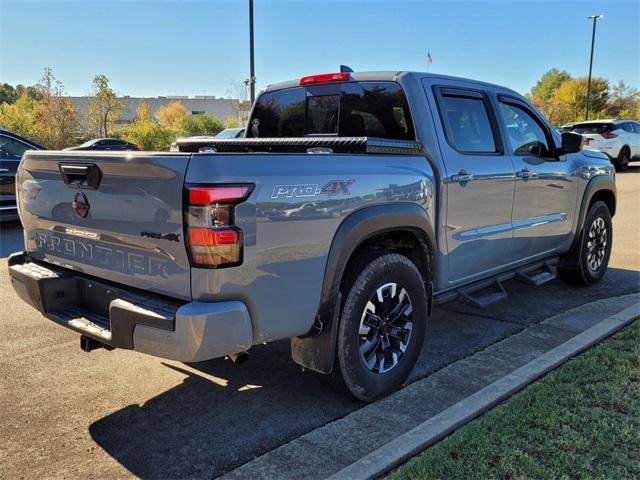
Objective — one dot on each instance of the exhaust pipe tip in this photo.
(239, 357)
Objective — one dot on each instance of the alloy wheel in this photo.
(385, 328)
(596, 244)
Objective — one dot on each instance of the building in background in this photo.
(222, 108)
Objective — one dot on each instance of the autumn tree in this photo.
(238, 91)
(572, 95)
(20, 116)
(624, 101)
(144, 131)
(56, 116)
(104, 107)
(8, 94)
(171, 115)
(548, 84)
(231, 122)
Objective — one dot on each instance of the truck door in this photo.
(545, 193)
(479, 183)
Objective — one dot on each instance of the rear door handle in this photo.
(524, 173)
(462, 177)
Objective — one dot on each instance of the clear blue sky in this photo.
(150, 48)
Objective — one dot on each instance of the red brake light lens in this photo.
(325, 77)
(209, 195)
(609, 135)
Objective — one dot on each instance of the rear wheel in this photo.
(382, 327)
(624, 157)
(594, 248)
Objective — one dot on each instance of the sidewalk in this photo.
(375, 438)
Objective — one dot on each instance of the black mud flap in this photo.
(318, 352)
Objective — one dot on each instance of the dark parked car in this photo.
(12, 147)
(106, 144)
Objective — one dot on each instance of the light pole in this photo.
(252, 76)
(593, 38)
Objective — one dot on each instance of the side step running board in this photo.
(484, 295)
(489, 290)
(537, 275)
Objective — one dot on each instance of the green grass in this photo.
(580, 421)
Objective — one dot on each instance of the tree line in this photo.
(45, 114)
(563, 99)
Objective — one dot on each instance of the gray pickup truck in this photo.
(354, 204)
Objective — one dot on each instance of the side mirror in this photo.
(571, 142)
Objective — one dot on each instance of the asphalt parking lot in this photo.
(120, 414)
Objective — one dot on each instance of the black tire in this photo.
(593, 256)
(400, 331)
(622, 162)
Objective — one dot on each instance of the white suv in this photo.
(619, 139)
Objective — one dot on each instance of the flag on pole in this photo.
(429, 59)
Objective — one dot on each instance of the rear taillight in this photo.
(137, 147)
(609, 135)
(586, 141)
(213, 238)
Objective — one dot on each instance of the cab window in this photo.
(526, 136)
(467, 123)
(347, 109)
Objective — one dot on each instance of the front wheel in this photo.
(594, 248)
(382, 327)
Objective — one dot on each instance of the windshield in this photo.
(592, 127)
(88, 143)
(347, 109)
(229, 133)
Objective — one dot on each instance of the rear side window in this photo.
(349, 109)
(467, 124)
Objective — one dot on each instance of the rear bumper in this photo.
(123, 317)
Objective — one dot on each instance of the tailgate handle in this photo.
(80, 175)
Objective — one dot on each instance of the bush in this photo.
(201, 124)
(148, 134)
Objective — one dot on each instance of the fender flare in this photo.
(595, 185)
(316, 349)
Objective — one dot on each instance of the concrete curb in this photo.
(426, 434)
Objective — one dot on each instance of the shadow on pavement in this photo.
(11, 239)
(223, 415)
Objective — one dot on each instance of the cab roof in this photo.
(389, 75)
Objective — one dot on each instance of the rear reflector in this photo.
(209, 195)
(325, 77)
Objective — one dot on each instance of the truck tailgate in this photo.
(113, 215)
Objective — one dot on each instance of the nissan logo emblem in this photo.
(80, 205)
